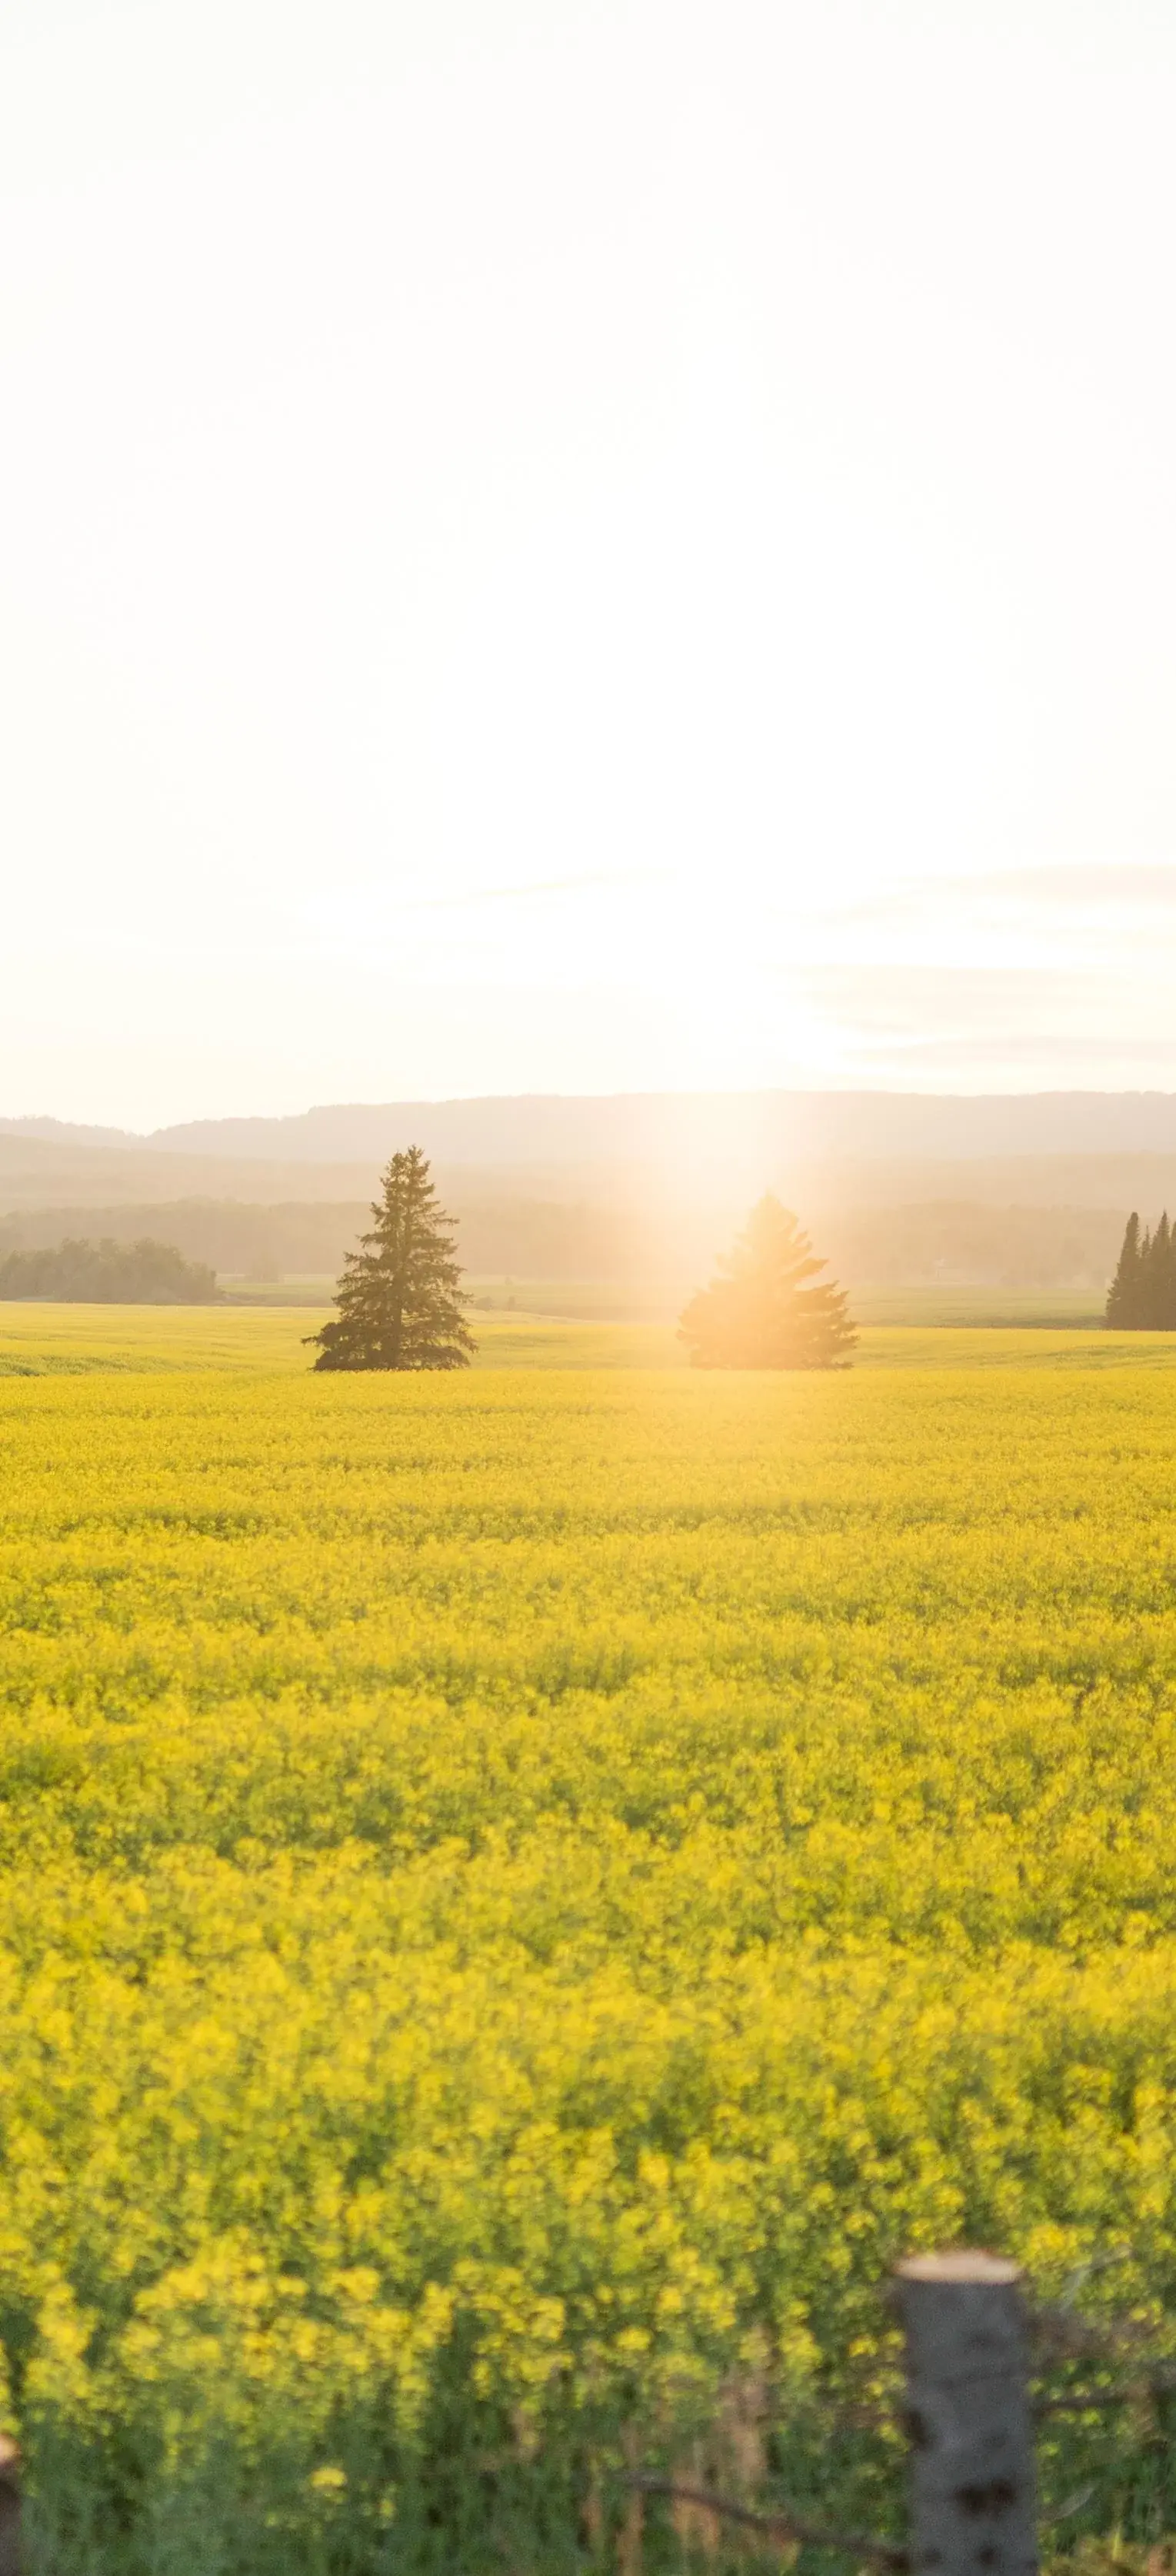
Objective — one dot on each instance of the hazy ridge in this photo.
(638, 1189)
(654, 1126)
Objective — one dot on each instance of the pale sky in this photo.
(585, 545)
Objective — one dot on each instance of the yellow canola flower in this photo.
(520, 1897)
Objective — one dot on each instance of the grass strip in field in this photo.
(39, 1340)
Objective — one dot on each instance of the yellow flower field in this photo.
(523, 1892)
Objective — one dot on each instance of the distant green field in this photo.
(42, 1340)
(317, 1291)
(601, 1301)
(627, 1301)
(1067, 1307)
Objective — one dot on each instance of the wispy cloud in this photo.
(1077, 1056)
(911, 1022)
(1128, 889)
(1126, 886)
(907, 1000)
(469, 896)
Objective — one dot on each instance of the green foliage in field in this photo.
(523, 1892)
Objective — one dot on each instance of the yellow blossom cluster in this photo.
(521, 1892)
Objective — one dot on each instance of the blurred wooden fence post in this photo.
(969, 2420)
(9, 2507)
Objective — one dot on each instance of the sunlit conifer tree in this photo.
(762, 1314)
(399, 1305)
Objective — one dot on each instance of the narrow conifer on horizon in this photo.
(1142, 1295)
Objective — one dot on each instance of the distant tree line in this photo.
(107, 1273)
(1142, 1294)
(968, 1243)
(243, 1238)
(936, 1242)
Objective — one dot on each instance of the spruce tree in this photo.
(1142, 1316)
(398, 1301)
(1142, 1295)
(1125, 1294)
(1157, 1295)
(761, 1315)
(1162, 1282)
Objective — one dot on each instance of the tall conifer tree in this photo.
(1143, 1282)
(1156, 1268)
(1142, 1295)
(1124, 1296)
(763, 1314)
(398, 1301)
(1162, 1278)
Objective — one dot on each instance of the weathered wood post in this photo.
(971, 2433)
(9, 2507)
